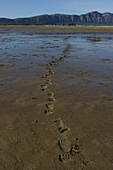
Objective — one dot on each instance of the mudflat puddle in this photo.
(22, 51)
(56, 99)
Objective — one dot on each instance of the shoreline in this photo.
(103, 28)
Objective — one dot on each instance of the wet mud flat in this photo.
(56, 100)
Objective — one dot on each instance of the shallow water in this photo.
(23, 50)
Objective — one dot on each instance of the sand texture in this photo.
(56, 100)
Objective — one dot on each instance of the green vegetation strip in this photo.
(57, 27)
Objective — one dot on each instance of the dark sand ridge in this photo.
(31, 139)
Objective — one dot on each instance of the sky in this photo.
(27, 8)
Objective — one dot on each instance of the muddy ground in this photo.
(56, 100)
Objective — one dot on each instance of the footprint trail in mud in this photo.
(67, 146)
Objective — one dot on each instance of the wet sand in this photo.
(56, 100)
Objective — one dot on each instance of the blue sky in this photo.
(26, 8)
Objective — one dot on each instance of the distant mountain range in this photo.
(92, 18)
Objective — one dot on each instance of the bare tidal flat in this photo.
(56, 98)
